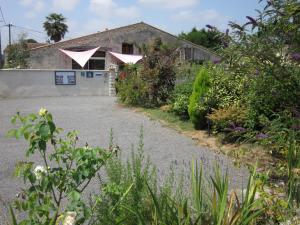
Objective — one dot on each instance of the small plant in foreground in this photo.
(66, 172)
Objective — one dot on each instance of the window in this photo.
(96, 62)
(188, 53)
(127, 48)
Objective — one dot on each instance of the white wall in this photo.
(41, 83)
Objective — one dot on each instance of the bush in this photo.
(230, 121)
(180, 99)
(158, 72)
(198, 108)
(227, 87)
(269, 95)
(131, 89)
(152, 84)
(232, 116)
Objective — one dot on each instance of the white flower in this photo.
(42, 112)
(70, 218)
(39, 171)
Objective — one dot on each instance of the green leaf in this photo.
(49, 117)
(44, 131)
(42, 145)
(14, 119)
(13, 217)
(52, 127)
(74, 196)
(11, 133)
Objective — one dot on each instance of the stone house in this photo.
(125, 40)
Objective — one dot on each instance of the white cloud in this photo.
(39, 6)
(202, 18)
(77, 29)
(67, 5)
(107, 9)
(34, 7)
(25, 2)
(174, 4)
(102, 5)
(130, 12)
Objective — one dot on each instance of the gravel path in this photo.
(93, 117)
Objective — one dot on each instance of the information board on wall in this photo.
(65, 78)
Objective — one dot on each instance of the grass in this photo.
(168, 119)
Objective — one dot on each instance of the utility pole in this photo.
(0, 52)
(9, 33)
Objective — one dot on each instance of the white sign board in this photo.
(65, 78)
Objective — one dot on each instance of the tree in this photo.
(207, 38)
(17, 53)
(55, 26)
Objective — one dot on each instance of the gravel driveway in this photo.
(93, 117)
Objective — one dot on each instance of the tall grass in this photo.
(133, 195)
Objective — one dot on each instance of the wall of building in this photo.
(41, 83)
(138, 34)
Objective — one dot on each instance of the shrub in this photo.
(18, 54)
(180, 99)
(180, 106)
(230, 121)
(227, 117)
(198, 103)
(131, 89)
(269, 94)
(227, 87)
(158, 72)
(151, 84)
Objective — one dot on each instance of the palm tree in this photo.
(55, 26)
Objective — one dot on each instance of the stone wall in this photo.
(41, 83)
(50, 57)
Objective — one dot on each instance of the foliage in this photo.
(133, 194)
(230, 121)
(180, 99)
(198, 108)
(55, 26)
(66, 172)
(158, 71)
(207, 38)
(282, 136)
(131, 89)
(152, 84)
(269, 57)
(180, 106)
(228, 88)
(186, 72)
(126, 189)
(260, 70)
(17, 54)
(223, 118)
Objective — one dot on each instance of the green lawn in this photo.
(169, 119)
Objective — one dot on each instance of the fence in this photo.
(41, 83)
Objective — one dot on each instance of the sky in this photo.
(89, 16)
